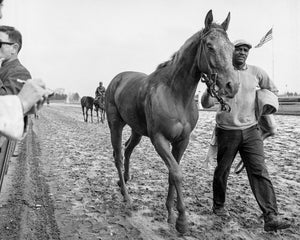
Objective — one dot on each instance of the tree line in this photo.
(71, 97)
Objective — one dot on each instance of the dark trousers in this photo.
(249, 144)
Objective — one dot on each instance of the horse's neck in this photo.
(185, 76)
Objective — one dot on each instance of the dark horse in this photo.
(87, 103)
(161, 105)
(99, 104)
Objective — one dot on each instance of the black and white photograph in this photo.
(149, 120)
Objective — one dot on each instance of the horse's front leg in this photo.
(162, 147)
(102, 114)
(97, 111)
(178, 149)
(86, 114)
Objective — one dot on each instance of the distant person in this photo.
(13, 108)
(100, 91)
(238, 131)
(11, 69)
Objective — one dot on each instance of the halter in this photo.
(211, 79)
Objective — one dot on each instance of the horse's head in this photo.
(215, 56)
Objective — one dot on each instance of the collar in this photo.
(6, 63)
(245, 67)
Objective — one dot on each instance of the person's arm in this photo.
(13, 108)
(11, 117)
(33, 95)
(207, 101)
(265, 81)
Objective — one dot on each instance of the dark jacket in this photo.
(9, 73)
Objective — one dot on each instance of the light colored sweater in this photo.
(242, 114)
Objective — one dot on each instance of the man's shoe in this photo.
(221, 212)
(274, 223)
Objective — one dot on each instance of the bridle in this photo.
(211, 79)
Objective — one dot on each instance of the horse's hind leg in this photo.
(116, 125)
(83, 113)
(134, 140)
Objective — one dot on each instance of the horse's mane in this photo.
(168, 62)
(175, 56)
(196, 37)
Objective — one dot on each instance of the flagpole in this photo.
(273, 55)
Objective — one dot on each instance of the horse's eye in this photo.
(210, 47)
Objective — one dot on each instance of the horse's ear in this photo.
(226, 22)
(208, 19)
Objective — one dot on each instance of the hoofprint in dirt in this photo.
(78, 168)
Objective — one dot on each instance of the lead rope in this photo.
(211, 83)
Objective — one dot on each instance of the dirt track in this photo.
(63, 185)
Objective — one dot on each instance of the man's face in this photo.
(240, 54)
(6, 50)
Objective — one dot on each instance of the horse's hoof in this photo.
(181, 226)
(127, 178)
(171, 218)
(128, 201)
(119, 183)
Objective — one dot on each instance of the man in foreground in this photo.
(238, 131)
(11, 69)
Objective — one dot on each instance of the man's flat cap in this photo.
(241, 42)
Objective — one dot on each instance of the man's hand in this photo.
(207, 100)
(33, 95)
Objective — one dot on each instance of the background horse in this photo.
(161, 105)
(99, 104)
(86, 105)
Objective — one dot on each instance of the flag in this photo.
(265, 38)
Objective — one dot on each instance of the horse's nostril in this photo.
(229, 86)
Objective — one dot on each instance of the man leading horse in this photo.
(238, 131)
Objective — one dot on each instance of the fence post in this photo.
(7, 148)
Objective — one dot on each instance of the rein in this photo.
(211, 79)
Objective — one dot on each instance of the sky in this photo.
(75, 44)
